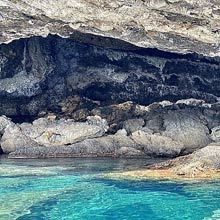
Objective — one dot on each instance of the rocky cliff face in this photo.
(162, 129)
(108, 52)
(171, 25)
(45, 74)
(111, 60)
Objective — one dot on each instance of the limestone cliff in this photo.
(172, 25)
(109, 59)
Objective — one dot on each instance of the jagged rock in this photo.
(98, 121)
(62, 75)
(194, 102)
(80, 114)
(116, 113)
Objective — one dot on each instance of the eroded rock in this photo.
(157, 145)
(157, 130)
(47, 133)
(4, 123)
(181, 26)
(133, 125)
(184, 126)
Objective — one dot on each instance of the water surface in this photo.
(75, 189)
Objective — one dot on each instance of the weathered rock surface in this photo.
(201, 165)
(44, 132)
(118, 145)
(157, 145)
(185, 126)
(163, 129)
(112, 145)
(4, 123)
(14, 139)
(207, 158)
(67, 77)
(105, 57)
(132, 125)
(215, 135)
(182, 26)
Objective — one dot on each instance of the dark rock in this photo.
(61, 75)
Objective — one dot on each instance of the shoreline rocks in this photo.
(163, 129)
(203, 164)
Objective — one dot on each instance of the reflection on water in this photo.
(75, 188)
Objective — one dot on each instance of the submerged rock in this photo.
(204, 164)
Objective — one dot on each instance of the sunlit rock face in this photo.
(171, 25)
(41, 74)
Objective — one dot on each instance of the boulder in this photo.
(215, 134)
(63, 132)
(14, 139)
(48, 133)
(200, 162)
(4, 122)
(186, 127)
(132, 125)
(157, 145)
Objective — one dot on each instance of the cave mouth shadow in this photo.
(113, 71)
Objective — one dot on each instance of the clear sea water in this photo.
(75, 189)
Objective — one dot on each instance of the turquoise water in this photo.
(74, 189)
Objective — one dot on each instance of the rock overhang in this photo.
(174, 26)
